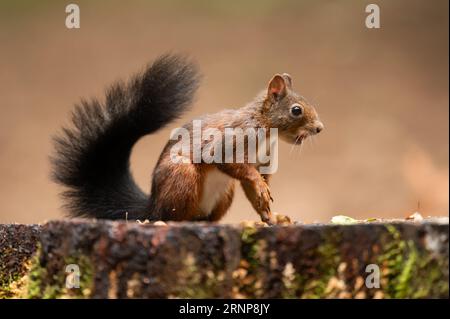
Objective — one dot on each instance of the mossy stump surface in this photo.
(17, 245)
(102, 259)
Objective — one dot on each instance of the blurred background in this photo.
(381, 93)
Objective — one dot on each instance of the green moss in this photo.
(308, 282)
(86, 276)
(11, 280)
(9, 285)
(249, 278)
(195, 283)
(313, 283)
(35, 278)
(251, 248)
(292, 282)
(315, 286)
(42, 285)
(410, 272)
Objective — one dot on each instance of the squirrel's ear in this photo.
(288, 79)
(277, 87)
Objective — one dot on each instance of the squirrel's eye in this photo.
(296, 110)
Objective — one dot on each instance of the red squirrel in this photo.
(92, 157)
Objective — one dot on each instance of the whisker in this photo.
(300, 149)
(292, 148)
(313, 138)
(293, 145)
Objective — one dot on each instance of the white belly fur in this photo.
(214, 186)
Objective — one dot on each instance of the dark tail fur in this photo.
(92, 157)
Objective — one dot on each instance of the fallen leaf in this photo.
(417, 217)
(343, 220)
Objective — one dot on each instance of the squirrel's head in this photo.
(286, 110)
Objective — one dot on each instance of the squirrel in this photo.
(92, 157)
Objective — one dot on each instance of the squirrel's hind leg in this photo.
(176, 191)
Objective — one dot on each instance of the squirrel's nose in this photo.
(319, 128)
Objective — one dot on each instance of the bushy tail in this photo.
(92, 157)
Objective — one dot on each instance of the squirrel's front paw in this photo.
(264, 204)
(268, 219)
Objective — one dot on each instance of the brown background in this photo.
(382, 94)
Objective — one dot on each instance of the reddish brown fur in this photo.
(177, 189)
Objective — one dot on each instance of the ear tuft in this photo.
(288, 79)
(277, 86)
